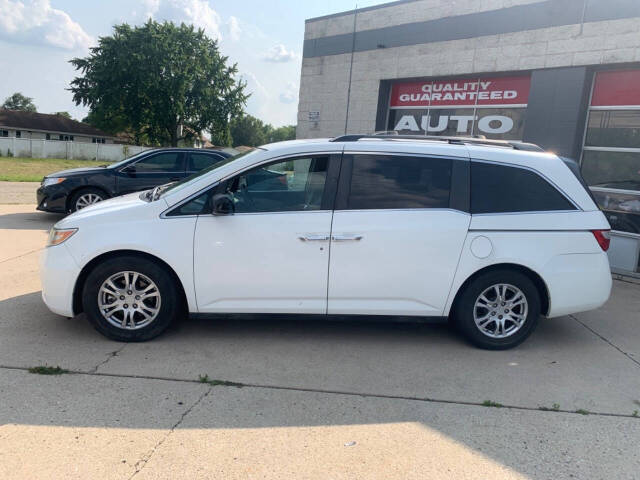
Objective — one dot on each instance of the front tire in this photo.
(130, 299)
(498, 309)
(85, 197)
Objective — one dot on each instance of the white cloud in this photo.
(290, 94)
(233, 26)
(195, 12)
(35, 22)
(280, 54)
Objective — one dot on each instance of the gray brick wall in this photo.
(324, 80)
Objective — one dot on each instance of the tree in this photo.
(252, 132)
(17, 101)
(280, 134)
(64, 114)
(248, 131)
(160, 81)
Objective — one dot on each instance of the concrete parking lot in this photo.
(330, 400)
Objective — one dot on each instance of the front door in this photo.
(272, 254)
(151, 171)
(396, 236)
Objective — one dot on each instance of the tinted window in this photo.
(198, 161)
(500, 189)
(195, 206)
(381, 182)
(290, 185)
(162, 162)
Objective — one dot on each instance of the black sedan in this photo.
(71, 190)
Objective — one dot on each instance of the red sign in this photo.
(619, 87)
(462, 92)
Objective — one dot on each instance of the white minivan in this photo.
(488, 234)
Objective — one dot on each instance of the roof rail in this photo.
(516, 145)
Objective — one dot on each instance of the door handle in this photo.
(343, 237)
(314, 237)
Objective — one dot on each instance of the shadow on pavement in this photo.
(29, 220)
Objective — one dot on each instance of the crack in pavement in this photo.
(540, 408)
(606, 340)
(21, 255)
(109, 357)
(140, 464)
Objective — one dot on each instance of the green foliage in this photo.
(280, 134)
(491, 403)
(17, 101)
(64, 114)
(47, 370)
(160, 81)
(214, 382)
(248, 130)
(253, 132)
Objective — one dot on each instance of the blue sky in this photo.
(38, 37)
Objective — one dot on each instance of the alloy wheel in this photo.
(500, 310)
(129, 300)
(87, 199)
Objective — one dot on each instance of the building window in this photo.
(18, 134)
(611, 151)
(493, 107)
(97, 140)
(4, 133)
(48, 136)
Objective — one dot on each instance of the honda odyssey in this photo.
(488, 234)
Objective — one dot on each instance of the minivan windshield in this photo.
(193, 178)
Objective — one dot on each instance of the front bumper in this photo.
(58, 275)
(52, 198)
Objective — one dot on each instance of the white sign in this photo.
(486, 124)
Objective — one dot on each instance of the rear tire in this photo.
(131, 299)
(498, 309)
(85, 197)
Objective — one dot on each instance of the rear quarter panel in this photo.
(571, 264)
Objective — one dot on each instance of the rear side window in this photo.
(198, 161)
(504, 189)
(388, 182)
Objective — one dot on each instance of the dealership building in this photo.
(564, 74)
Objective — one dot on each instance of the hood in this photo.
(120, 206)
(75, 171)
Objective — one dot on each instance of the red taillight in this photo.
(603, 238)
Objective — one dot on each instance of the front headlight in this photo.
(58, 236)
(52, 181)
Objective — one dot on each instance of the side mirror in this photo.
(222, 204)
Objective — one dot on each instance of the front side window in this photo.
(505, 189)
(162, 162)
(286, 186)
(399, 182)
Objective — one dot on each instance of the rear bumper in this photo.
(577, 282)
(58, 275)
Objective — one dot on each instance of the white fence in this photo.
(108, 152)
